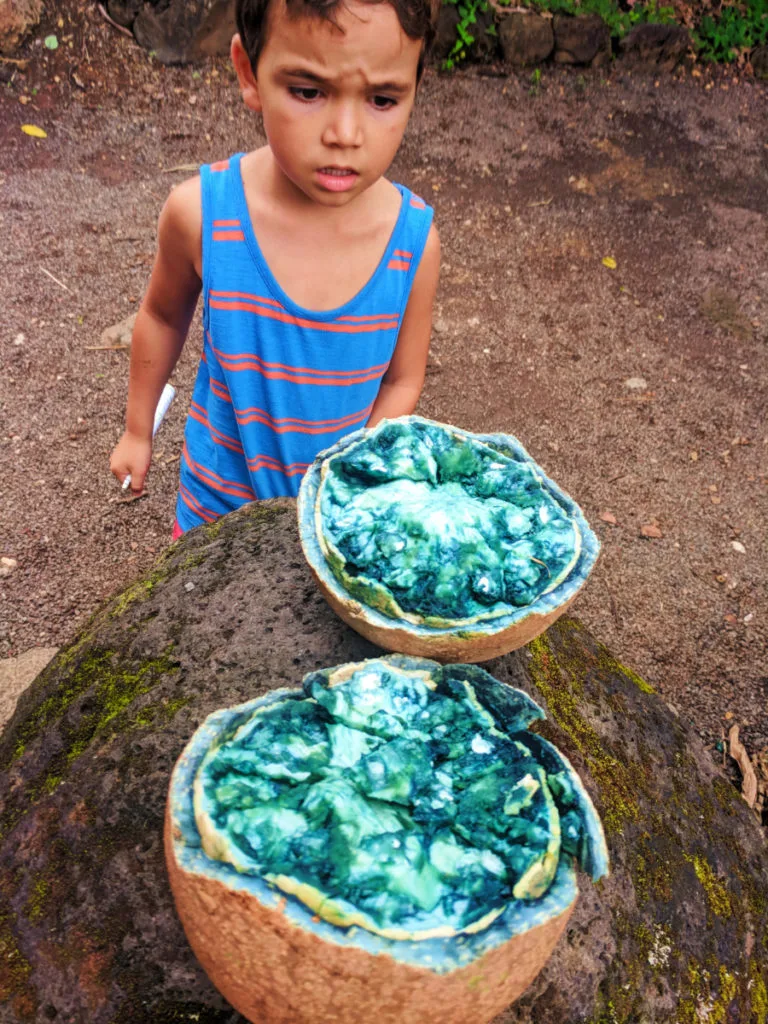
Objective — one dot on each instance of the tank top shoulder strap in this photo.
(407, 243)
(221, 222)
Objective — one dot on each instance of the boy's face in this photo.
(335, 103)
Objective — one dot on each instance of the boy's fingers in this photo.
(137, 482)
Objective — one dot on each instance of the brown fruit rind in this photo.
(477, 642)
(277, 962)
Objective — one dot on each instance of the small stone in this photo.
(636, 384)
(189, 586)
(19, 339)
(119, 334)
(8, 563)
(748, 618)
(738, 546)
(652, 531)
(608, 517)
(440, 327)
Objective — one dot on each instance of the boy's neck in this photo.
(263, 177)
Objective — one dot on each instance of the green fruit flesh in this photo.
(436, 527)
(380, 798)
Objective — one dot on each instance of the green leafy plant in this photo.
(738, 28)
(465, 37)
(535, 82)
(618, 21)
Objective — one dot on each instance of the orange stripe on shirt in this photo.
(245, 295)
(226, 223)
(264, 301)
(191, 502)
(273, 314)
(285, 426)
(401, 252)
(219, 437)
(220, 390)
(216, 482)
(398, 265)
(221, 165)
(264, 462)
(236, 356)
(272, 375)
(228, 236)
(364, 319)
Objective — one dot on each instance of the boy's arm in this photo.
(161, 326)
(404, 379)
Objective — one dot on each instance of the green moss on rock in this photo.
(718, 897)
(617, 779)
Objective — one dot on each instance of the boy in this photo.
(318, 275)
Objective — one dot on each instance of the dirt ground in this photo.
(641, 388)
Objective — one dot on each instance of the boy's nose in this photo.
(343, 128)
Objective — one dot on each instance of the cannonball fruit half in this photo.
(433, 541)
(388, 844)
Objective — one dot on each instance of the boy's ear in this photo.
(249, 86)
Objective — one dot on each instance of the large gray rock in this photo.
(584, 39)
(656, 47)
(759, 60)
(677, 933)
(177, 31)
(526, 38)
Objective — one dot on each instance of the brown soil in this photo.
(534, 335)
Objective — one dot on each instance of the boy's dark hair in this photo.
(418, 19)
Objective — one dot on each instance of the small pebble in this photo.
(636, 384)
(738, 546)
(189, 586)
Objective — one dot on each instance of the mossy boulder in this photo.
(678, 932)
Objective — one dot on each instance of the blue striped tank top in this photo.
(278, 383)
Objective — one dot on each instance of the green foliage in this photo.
(618, 21)
(465, 38)
(737, 28)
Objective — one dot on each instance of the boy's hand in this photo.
(132, 455)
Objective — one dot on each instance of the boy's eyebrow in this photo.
(398, 88)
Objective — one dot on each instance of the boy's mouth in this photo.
(336, 179)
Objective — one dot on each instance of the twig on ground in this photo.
(58, 282)
(106, 348)
(739, 753)
(181, 167)
(114, 24)
(15, 60)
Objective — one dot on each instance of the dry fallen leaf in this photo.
(608, 517)
(651, 530)
(739, 754)
(610, 262)
(34, 131)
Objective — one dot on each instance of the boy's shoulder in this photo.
(180, 228)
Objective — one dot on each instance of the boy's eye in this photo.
(304, 92)
(383, 102)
